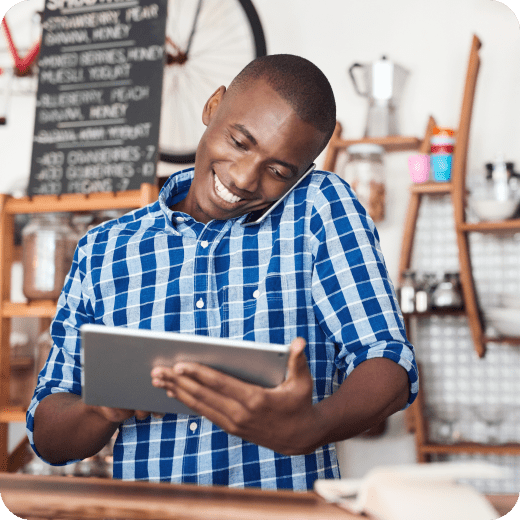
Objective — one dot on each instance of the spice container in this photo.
(407, 293)
(364, 172)
(48, 247)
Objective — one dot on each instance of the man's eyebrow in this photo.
(241, 128)
(246, 132)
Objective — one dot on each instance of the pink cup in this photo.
(419, 167)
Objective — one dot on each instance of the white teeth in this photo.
(224, 193)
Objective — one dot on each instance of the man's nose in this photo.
(246, 175)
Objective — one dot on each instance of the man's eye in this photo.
(238, 144)
(278, 174)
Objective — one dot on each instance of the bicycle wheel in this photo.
(207, 43)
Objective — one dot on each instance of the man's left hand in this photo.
(281, 418)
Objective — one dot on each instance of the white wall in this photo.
(429, 38)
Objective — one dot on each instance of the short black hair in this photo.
(299, 82)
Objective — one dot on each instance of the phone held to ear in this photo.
(262, 217)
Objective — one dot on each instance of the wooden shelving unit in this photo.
(456, 189)
(9, 207)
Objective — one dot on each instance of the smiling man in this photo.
(246, 246)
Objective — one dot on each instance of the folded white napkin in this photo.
(415, 491)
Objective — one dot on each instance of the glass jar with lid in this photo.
(364, 171)
(48, 243)
(448, 294)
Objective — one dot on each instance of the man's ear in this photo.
(212, 104)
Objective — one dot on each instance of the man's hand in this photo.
(282, 418)
(65, 428)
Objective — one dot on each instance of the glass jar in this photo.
(407, 293)
(48, 243)
(364, 172)
(422, 297)
(448, 294)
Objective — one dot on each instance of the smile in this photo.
(224, 193)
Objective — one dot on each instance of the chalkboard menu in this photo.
(99, 96)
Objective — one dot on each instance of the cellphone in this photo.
(262, 217)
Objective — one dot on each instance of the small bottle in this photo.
(500, 177)
(422, 297)
(407, 293)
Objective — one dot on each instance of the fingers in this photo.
(297, 365)
(208, 403)
(194, 377)
(222, 399)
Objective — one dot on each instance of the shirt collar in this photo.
(174, 190)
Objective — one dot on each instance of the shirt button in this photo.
(200, 304)
(256, 294)
(204, 244)
(193, 426)
(180, 219)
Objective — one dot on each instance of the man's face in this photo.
(253, 151)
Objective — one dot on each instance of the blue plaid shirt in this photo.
(313, 269)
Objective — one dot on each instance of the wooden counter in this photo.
(36, 497)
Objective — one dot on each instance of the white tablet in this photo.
(116, 363)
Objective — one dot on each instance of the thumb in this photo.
(297, 363)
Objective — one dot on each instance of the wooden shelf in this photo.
(35, 309)
(512, 340)
(79, 202)
(392, 143)
(483, 227)
(471, 447)
(22, 362)
(432, 188)
(436, 312)
(12, 414)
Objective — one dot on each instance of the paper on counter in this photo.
(408, 492)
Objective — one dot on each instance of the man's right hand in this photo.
(65, 428)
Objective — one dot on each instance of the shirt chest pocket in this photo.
(255, 312)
